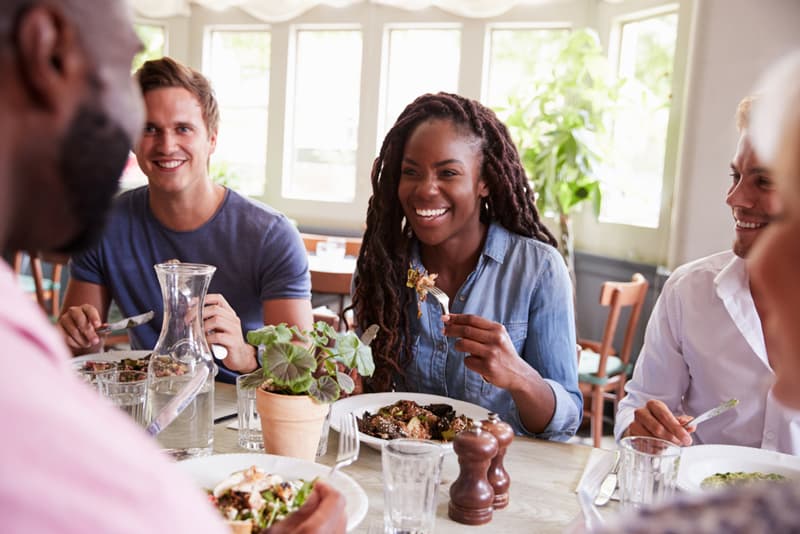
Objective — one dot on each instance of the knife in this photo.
(713, 412)
(124, 324)
(609, 484)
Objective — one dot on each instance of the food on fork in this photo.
(252, 500)
(422, 281)
(407, 419)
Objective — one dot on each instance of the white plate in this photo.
(208, 471)
(371, 402)
(701, 461)
(112, 356)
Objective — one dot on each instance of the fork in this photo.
(442, 297)
(348, 443)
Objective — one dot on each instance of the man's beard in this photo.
(93, 156)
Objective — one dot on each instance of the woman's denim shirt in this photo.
(523, 284)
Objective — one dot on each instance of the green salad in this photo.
(719, 480)
(256, 497)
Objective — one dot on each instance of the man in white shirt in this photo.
(704, 342)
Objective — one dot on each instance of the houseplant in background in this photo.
(303, 371)
(559, 129)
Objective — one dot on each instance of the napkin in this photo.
(597, 467)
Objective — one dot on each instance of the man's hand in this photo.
(78, 325)
(655, 419)
(223, 327)
(323, 511)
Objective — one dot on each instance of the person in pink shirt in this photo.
(69, 112)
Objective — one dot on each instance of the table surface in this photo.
(542, 497)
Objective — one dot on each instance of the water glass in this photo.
(322, 447)
(128, 391)
(648, 470)
(412, 469)
(332, 248)
(89, 371)
(250, 436)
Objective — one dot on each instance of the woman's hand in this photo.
(223, 327)
(491, 352)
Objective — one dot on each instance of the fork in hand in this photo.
(348, 443)
(442, 297)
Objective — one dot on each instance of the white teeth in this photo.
(431, 213)
(748, 225)
(169, 164)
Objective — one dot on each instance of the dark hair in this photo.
(381, 296)
(166, 72)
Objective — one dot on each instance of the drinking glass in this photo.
(89, 371)
(648, 470)
(412, 469)
(250, 436)
(127, 390)
(322, 447)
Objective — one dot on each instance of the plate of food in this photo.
(283, 484)
(386, 416)
(708, 467)
(122, 360)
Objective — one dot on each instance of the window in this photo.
(517, 57)
(154, 43)
(418, 61)
(322, 119)
(238, 65)
(632, 185)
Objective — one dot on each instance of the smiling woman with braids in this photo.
(450, 197)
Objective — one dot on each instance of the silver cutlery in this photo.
(442, 297)
(348, 443)
(713, 412)
(609, 484)
(124, 324)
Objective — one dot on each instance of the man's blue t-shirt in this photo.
(258, 253)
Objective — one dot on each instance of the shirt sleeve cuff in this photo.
(566, 416)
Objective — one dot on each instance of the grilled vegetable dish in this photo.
(252, 500)
(407, 419)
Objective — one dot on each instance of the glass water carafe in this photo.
(181, 361)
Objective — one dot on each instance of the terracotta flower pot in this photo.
(291, 424)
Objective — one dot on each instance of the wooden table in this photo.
(543, 474)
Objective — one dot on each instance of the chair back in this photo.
(46, 289)
(618, 295)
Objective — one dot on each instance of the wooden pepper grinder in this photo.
(471, 495)
(497, 475)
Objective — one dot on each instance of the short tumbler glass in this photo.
(127, 390)
(648, 470)
(412, 470)
(250, 436)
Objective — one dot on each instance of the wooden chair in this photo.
(602, 372)
(46, 289)
(332, 283)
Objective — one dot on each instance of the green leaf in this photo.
(325, 389)
(345, 382)
(269, 334)
(364, 362)
(289, 365)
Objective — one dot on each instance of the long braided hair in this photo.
(381, 296)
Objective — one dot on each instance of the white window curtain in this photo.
(282, 10)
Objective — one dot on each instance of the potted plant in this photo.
(559, 128)
(303, 371)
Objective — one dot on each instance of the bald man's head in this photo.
(76, 113)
